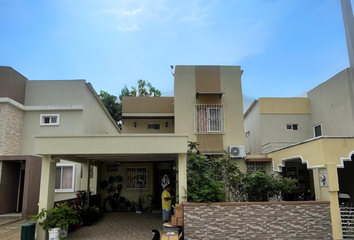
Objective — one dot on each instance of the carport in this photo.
(96, 149)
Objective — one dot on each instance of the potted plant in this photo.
(56, 219)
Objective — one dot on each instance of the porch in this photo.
(147, 153)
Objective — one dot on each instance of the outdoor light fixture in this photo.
(135, 124)
(166, 124)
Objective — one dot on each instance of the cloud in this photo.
(134, 12)
(125, 28)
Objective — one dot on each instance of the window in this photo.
(256, 167)
(209, 118)
(112, 168)
(136, 178)
(153, 126)
(317, 130)
(64, 178)
(248, 134)
(294, 127)
(49, 119)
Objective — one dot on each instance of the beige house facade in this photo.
(310, 139)
(206, 107)
(38, 108)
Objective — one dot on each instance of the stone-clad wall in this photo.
(11, 123)
(281, 221)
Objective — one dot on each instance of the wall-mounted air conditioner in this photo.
(237, 151)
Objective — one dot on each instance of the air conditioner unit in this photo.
(237, 151)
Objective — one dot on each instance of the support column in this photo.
(47, 190)
(333, 187)
(316, 184)
(85, 181)
(182, 177)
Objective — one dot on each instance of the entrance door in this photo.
(159, 174)
(20, 190)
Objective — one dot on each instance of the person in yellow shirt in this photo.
(166, 203)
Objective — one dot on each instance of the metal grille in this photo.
(256, 167)
(347, 219)
(136, 178)
(209, 118)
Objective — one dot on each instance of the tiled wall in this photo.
(280, 221)
(11, 122)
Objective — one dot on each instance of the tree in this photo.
(145, 89)
(114, 108)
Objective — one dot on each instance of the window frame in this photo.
(292, 126)
(314, 132)
(61, 165)
(206, 118)
(136, 169)
(43, 116)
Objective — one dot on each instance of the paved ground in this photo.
(125, 226)
(11, 231)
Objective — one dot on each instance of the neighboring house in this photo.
(310, 139)
(38, 108)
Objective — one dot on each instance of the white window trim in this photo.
(42, 116)
(313, 129)
(292, 126)
(74, 175)
(136, 170)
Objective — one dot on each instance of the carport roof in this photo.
(112, 147)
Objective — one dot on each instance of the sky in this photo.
(285, 47)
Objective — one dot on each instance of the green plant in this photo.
(90, 215)
(57, 217)
(113, 189)
(262, 187)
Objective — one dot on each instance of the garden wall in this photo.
(266, 220)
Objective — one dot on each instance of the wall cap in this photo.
(254, 203)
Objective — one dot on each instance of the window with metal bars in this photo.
(136, 178)
(209, 118)
(256, 167)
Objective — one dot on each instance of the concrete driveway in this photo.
(120, 225)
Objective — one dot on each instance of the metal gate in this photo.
(347, 219)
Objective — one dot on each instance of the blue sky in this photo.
(285, 47)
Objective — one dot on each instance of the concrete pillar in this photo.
(316, 184)
(85, 181)
(47, 190)
(182, 177)
(333, 187)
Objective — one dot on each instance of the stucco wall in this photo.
(13, 84)
(332, 107)
(11, 122)
(300, 220)
(141, 126)
(253, 143)
(273, 128)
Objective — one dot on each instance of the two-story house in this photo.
(310, 139)
(37, 108)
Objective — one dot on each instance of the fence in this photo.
(347, 219)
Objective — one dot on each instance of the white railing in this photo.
(271, 146)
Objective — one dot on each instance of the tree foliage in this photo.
(113, 106)
(145, 89)
(219, 179)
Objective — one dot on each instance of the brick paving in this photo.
(122, 225)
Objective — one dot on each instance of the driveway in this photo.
(121, 225)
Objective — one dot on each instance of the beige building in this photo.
(39, 108)
(206, 107)
(310, 139)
